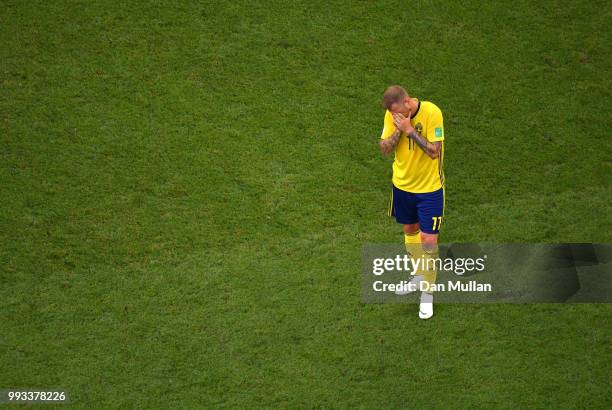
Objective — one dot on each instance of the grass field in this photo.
(186, 189)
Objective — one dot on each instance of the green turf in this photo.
(186, 189)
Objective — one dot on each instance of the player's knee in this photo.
(429, 241)
(410, 229)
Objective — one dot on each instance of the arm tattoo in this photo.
(431, 149)
(389, 143)
(420, 141)
(394, 138)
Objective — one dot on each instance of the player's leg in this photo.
(430, 209)
(412, 234)
(403, 206)
(429, 243)
(412, 241)
(430, 251)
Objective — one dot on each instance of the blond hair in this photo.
(393, 94)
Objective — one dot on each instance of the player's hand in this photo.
(403, 123)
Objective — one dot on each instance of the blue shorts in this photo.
(427, 209)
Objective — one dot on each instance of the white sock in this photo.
(417, 281)
(426, 297)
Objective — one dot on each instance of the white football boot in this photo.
(426, 306)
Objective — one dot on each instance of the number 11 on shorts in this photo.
(437, 221)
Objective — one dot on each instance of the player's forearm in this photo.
(388, 144)
(431, 149)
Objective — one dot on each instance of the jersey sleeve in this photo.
(389, 127)
(435, 128)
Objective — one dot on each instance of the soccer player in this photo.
(413, 129)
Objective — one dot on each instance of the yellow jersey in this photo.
(413, 170)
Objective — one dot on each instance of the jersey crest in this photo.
(419, 128)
